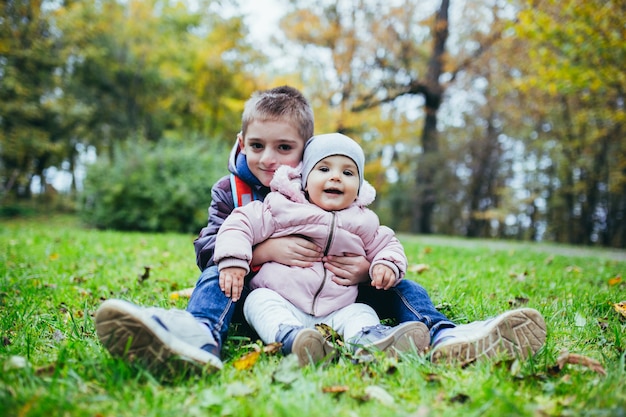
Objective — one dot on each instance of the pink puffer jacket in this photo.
(284, 212)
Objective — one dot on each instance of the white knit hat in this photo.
(323, 146)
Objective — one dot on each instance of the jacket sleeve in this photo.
(221, 206)
(385, 248)
(240, 232)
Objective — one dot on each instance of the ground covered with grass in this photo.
(54, 274)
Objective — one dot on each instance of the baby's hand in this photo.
(231, 281)
(383, 277)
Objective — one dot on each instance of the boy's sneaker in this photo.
(160, 339)
(308, 345)
(516, 333)
(405, 337)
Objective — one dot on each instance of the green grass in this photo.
(54, 274)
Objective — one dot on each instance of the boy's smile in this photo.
(269, 144)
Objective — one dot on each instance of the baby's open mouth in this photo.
(333, 191)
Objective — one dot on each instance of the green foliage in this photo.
(29, 124)
(54, 275)
(154, 187)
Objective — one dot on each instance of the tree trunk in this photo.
(428, 163)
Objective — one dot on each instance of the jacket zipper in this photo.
(328, 242)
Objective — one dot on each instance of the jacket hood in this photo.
(232, 158)
(287, 181)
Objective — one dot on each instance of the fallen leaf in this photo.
(15, 362)
(238, 389)
(431, 377)
(185, 293)
(419, 268)
(427, 250)
(518, 301)
(329, 333)
(374, 392)
(620, 308)
(247, 361)
(580, 320)
(288, 370)
(615, 280)
(460, 398)
(335, 389)
(272, 348)
(576, 359)
(603, 324)
(145, 275)
(209, 397)
(45, 370)
(54, 256)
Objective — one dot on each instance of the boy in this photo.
(275, 126)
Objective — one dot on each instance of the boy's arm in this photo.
(221, 206)
(287, 250)
(348, 270)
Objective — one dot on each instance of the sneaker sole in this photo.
(128, 332)
(517, 333)
(311, 347)
(406, 337)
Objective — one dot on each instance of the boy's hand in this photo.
(231, 282)
(383, 277)
(350, 269)
(287, 250)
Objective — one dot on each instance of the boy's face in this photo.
(269, 144)
(333, 183)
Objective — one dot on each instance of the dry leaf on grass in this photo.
(247, 361)
(335, 389)
(419, 268)
(329, 333)
(615, 280)
(185, 293)
(620, 308)
(576, 359)
(145, 275)
(374, 392)
(272, 348)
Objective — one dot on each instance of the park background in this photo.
(480, 118)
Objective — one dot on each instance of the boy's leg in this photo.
(160, 339)
(407, 301)
(210, 306)
(154, 336)
(515, 333)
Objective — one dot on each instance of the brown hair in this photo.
(279, 103)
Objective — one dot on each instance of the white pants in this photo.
(265, 310)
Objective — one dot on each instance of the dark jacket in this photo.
(222, 205)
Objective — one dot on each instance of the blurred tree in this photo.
(29, 125)
(150, 67)
(94, 73)
(577, 54)
(387, 55)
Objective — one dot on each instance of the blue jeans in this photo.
(408, 301)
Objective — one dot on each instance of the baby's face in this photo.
(269, 144)
(333, 183)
